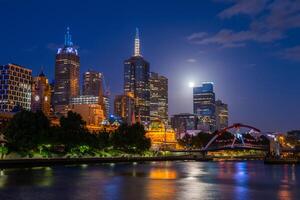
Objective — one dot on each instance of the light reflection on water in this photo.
(154, 180)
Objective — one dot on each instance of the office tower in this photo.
(204, 106)
(124, 107)
(41, 94)
(93, 85)
(136, 81)
(84, 99)
(66, 74)
(15, 87)
(221, 115)
(158, 98)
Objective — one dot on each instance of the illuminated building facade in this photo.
(89, 108)
(15, 87)
(204, 106)
(136, 81)
(92, 114)
(221, 115)
(158, 97)
(66, 74)
(124, 108)
(41, 94)
(161, 136)
(84, 99)
(106, 102)
(93, 85)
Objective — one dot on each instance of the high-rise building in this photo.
(124, 107)
(136, 81)
(92, 85)
(158, 98)
(15, 87)
(106, 102)
(66, 74)
(221, 115)
(41, 94)
(204, 106)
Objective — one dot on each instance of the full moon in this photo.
(191, 84)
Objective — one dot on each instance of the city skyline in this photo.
(252, 77)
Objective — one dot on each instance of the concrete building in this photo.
(41, 94)
(67, 66)
(158, 97)
(15, 87)
(136, 81)
(92, 114)
(221, 115)
(89, 108)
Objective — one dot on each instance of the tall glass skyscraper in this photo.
(158, 97)
(66, 74)
(204, 106)
(136, 81)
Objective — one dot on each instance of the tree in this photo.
(131, 138)
(73, 131)
(27, 130)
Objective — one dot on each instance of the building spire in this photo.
(68, 38)
(137, 43)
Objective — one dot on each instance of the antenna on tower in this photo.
(137, 50)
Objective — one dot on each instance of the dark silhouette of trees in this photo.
(28, 131)
(131, 138)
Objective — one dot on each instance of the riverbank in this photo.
(34, 162)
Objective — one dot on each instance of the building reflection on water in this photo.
(153, 180)
(161, 183)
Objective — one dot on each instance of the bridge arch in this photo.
(235, 126)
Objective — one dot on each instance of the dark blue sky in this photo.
(249, 49)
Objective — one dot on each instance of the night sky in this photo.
(249, 49)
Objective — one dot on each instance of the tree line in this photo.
(32, 132)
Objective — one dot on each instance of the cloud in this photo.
(227, 38)
(292, 53)
(270, 20)
(247, 7)
(282, 15)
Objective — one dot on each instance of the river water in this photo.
(154, 180)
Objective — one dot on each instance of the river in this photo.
(154, 180)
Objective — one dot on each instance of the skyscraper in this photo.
(124, 107)
(92, 85)
(158, 97)
(15, 87)
(204, 106)
(66, 74)
(221, 115)
(41, 94)
(136, 81)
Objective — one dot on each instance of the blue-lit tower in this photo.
(204, 106)
(67, 66)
